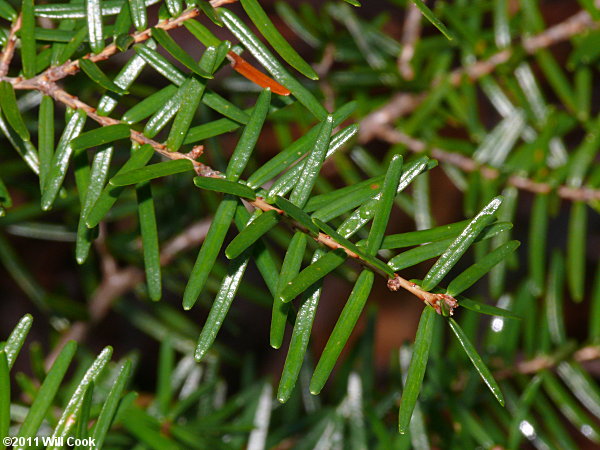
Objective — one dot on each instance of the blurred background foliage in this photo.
(507, 106)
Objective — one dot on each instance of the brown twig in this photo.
(72, 67)
(544, 362)
(467, 164)
(9, 48)
(117, 282)
(403, 103)
(410, 36)
(50, 88)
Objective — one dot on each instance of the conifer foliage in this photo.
(135, 131)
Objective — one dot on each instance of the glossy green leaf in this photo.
(460, 245)
(313, 273)
(581, 384)
(287, 156)
(484, 308)
(7, 11)
(97, 180)
(25, 149)
(356, 194)
(429, 15)
(272, 35)
(371, 260)
(17, 337)
(191, 90)
(576, 250)
(8, 104)
(92, 70)
(45, 137)
(484, 372)
(567, 405)
(28, 50)
(209, 250)
(60, 161)
(297, 214)
(202, 33)
(169, 44)
(342, 330)
(584, 156)
(365, 212)
(427, 251)
(174, 7)
(222, 302)
(109, 408)
(48, 390)
(538, 229)
(4, 396)
(160, 64)
(416, 370)
(139, 158)
(594, 319)
(225, 186)
(269, 62)
(478, 270)
(289, 270)
(264, 260)
(68, 50)
(81, 430)
(300, 337)
(139, 17)
(158, 170)
(124, 79)
(253, 232)
(247, 142)
(211, 129)
(224, 107)
(149, 232)
(384, 205)
(289, 179)
(522, 410)
(312, 167)
(163, 114)
(423, 236)
(100, 136)
(65, 423)
(164, 382)
(554, 300)
(149, 105)
(292, 19)
(93, 10)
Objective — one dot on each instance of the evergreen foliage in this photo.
(121, 157)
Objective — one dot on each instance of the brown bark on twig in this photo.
(467, 164)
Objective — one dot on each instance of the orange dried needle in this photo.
(241, 66)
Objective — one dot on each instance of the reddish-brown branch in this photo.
(410, 36)
(118, 281)
(9, 48)
(467, 164)
(403, 103)
(72, 67)
(544, 362)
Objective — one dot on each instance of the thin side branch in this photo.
(117, 282)
(72, 67)
(467, 164)
(45, 86)
(545, 362)
(403, 103)
(410, 36)
(9, 48)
